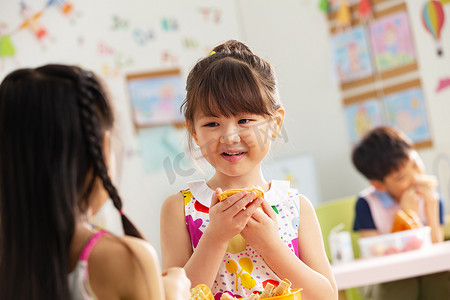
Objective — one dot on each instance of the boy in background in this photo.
(385, 156)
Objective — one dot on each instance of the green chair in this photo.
(333, 213)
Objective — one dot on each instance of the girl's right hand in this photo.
(229, 217)
(176, 284)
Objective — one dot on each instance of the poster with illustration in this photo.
(391, 42)
(351, 56)
(156, 98)
(361, 117)
(406, 111)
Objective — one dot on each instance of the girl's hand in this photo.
(229, 217)
(176, 284)
(261, 231)
(410, 200)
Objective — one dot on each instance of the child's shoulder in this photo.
(175, 199)
(122, 263)
(117, 252)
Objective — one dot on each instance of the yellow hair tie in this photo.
(211, 53)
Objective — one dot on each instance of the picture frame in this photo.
(156, 98)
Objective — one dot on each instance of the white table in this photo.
(361, 272)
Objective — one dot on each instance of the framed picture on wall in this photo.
(351, 55)
(156, 97)
(362, 117)
(406, 110)
(391, 42)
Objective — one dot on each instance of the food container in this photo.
(294, 295)
(397, 242)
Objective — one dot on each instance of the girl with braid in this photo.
(54, 129)
(233, 112)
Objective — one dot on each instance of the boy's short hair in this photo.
(380, 152)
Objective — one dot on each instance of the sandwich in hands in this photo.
(227, 193)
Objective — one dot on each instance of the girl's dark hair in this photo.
(52, 121)
(381, 151)
(229, 81)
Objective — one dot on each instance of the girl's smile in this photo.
(233, 156)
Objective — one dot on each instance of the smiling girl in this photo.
(233, 113)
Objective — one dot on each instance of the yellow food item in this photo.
(258, 191)
(283, 288)
(201, 292)
(267, 290)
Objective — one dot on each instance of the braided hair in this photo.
(90, 90)
(229, 81)
(52, 121)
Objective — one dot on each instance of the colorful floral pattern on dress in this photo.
(243, 271)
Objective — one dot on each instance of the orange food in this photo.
(258, 191)
(406, 221)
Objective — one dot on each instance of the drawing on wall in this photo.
(156, 97)
(334, 5)
(391, 41)
(32, 22)
(362, 117)
(7, 49)
(433, 19)
(351, 56)
(406, 111)
(443, 84)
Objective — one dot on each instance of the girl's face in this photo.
(236, 145)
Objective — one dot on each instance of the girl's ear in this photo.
(378, 184)
(192, 131)
(278, 119)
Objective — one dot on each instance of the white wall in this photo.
(294, 36)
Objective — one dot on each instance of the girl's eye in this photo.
(211, 124)
(244, 121)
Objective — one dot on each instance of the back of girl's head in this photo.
(52, 121)
(381, 151)
(231, 80)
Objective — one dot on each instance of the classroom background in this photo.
(335, 82)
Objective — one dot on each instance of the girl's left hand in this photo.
(261, 231)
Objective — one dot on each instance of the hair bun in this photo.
(233, 46)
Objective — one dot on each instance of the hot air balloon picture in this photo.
(433, 19)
